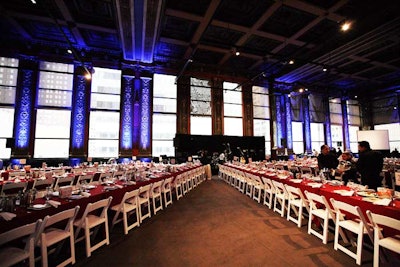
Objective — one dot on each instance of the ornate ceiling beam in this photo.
(138, 23)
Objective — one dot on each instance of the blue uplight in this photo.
(23, 110)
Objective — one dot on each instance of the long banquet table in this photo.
(28, 215)
(328, 190)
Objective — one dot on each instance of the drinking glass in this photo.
(49, 192)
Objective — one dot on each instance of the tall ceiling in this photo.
(201, 37)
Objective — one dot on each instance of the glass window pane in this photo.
(200, 108)
(164, 105)
(103, 148)
(233, 110)
(51, 148)
(5, 153)
(7, 122)
(337, 135)
(104, 125)
(336, 118)
(262, 128)
(233, 97)
(200, 125)
(231, 86)
(164, 126)
(106, 81)
(104, 101)
(297, 132)
(8, 76)
(298, 147)
(10, 62)
(163, 148)
(164, 86)
(55, 80)
(200, 90)
(233, 126)
(7, 95)
(261, 112)
(317, 132)
(59, 67)
(53, 123)
(260, 100)
(55, 98)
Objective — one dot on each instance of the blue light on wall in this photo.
(23, 110)
(136, 112)
(126, 113)
(78, 114)
(279, 131)
(145, 112)
(288, 117)
(75, 161)
(307, 122)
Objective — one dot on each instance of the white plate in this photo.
(366, 194)
(39, 206)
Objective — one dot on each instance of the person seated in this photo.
(347, 168)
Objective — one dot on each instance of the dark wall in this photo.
(250, 146)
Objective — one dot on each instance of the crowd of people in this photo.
(366, 169)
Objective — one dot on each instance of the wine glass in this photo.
(49, 192)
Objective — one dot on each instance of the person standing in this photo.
(327, 159)
(369, 165)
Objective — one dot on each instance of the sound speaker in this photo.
(283, 142)
(10, 142)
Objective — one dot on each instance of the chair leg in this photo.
(87, 242)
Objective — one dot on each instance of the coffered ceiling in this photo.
(202, 37)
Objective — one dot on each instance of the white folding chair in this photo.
(156, 196)
(320, 209)
(296, 203)
(9, 189)
(42, 184)
(269, 192)
(280, 198)
(48, 236)
(118, 174)
(128, 206)
(95, 215)
(11, 255)
(166, 190)
(144, 202)
(258, 187)
(177, 184)
(64, 181)
(84, 179)
(391, 243)
(105, 175)
(354, 225)
(305, 170)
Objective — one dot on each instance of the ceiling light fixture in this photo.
(33, 2)
(324, 69)
(235, 51)
(346, 26)
(291, 62)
